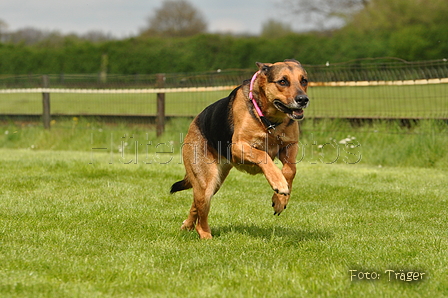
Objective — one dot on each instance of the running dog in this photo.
(246, 130)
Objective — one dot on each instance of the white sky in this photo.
(123, 18)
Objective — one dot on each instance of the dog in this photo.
(256, 123)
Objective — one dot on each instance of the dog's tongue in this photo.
(297, 112)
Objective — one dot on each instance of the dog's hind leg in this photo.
(205, 172)
(202, 200)
(190, 223)
(207, 182)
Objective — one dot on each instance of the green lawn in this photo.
(77, 222)
(420, 101)
(109, 104)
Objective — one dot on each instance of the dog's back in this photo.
(216, 124)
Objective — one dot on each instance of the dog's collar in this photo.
(268, 124)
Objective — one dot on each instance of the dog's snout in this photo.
(302, 100)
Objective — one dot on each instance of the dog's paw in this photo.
(278, 182)
(205, 235)
(187, 226)
(282, 189)
(284, 192)
(279, 203)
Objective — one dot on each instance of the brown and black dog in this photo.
(246, 130)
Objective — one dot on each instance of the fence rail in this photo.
(379, 69)
(117, 91)
(217, 88)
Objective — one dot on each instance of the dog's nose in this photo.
(302, 100)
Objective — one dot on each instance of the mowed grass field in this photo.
(419, 101)
(84, 222)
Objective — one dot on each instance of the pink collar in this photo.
(251, 95)
(268, 124)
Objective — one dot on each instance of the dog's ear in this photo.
(293, 60)
(264, 67)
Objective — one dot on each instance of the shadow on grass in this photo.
(289, 235)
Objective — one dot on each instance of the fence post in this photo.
(46, 116)
(160, 120)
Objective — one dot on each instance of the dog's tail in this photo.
(180, 185)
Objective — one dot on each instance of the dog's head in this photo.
(284, 86)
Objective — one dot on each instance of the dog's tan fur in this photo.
(252, 147)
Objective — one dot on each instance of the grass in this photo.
(72, 229)
(187, 103)
(379, 143)
(415, 101)
(77, 222)
(420, 101)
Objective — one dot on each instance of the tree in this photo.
(324, 14)
(390, 15)
(3, 30)
(272, 28)
(96, 36)
(27, 35)
(175, 18)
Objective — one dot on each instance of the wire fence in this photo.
(365, 88)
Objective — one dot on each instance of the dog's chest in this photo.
(271, 143)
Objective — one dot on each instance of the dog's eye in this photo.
(304, 82)
(283, 82)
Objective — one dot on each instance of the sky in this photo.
(124, 18)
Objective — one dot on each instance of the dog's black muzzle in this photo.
(302, 101)
(295, 109)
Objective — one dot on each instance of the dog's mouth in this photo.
(294, 113)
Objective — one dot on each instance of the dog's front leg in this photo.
(287, 156)
(243, 153)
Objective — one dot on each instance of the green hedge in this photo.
(212, 51)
